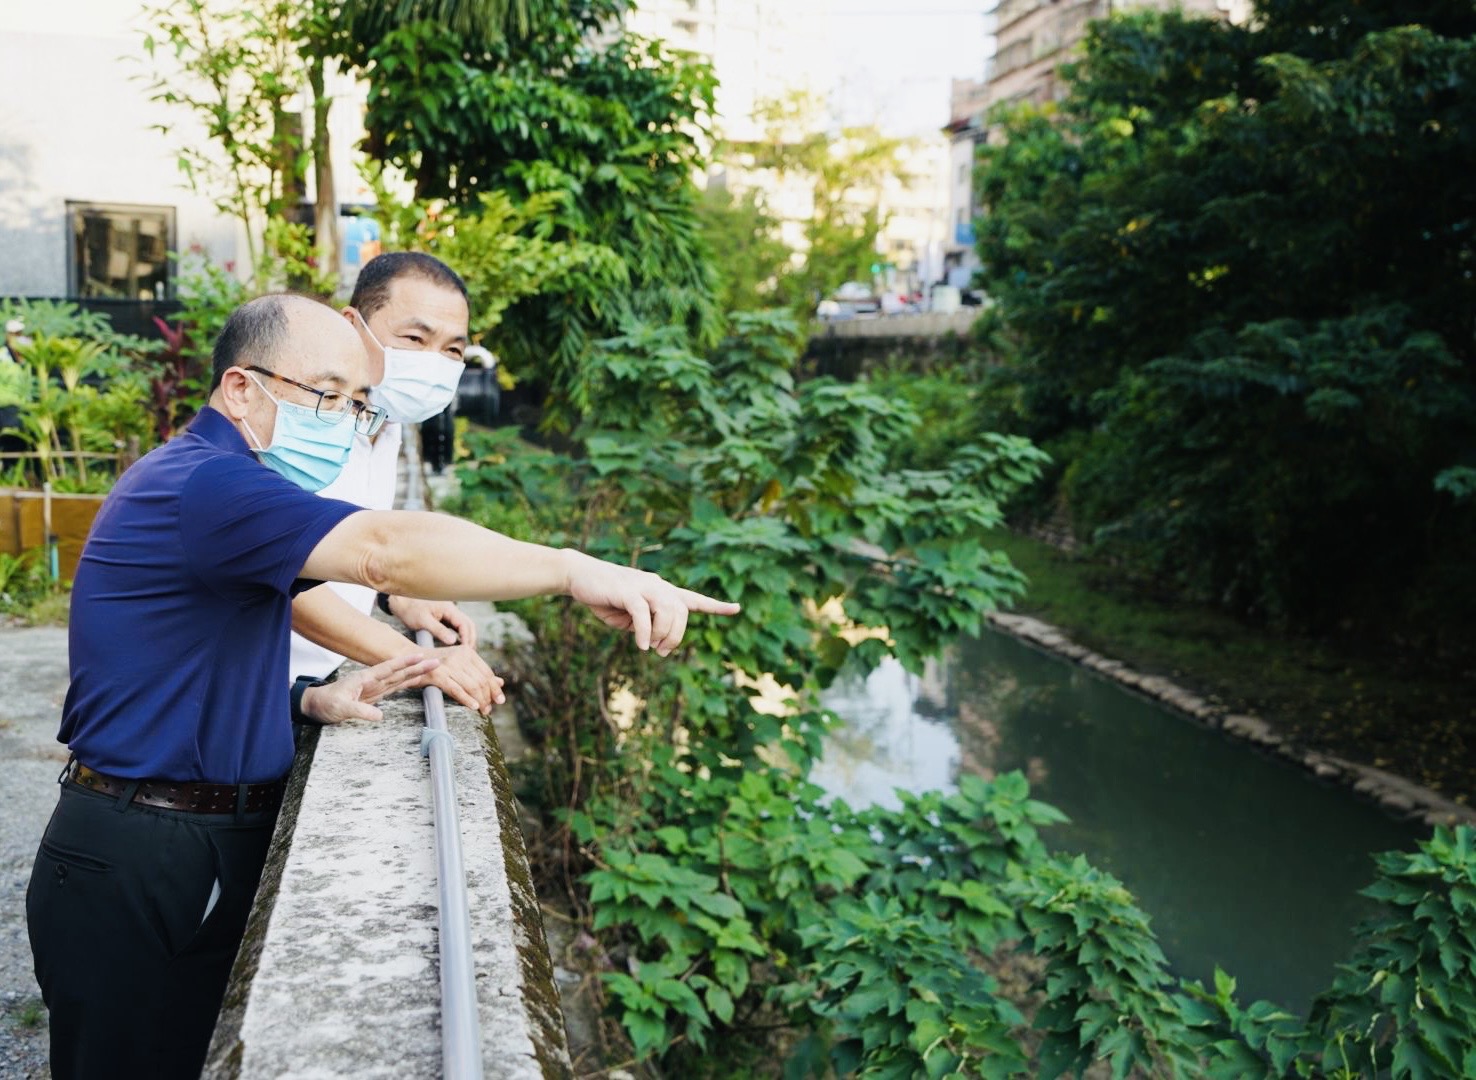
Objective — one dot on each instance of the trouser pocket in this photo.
(67, 859)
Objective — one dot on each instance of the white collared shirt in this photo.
(368, 480)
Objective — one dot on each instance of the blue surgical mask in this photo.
(304, 450)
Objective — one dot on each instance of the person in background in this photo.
(412, 313)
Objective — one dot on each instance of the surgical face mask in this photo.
(417, 383)
(304, 450)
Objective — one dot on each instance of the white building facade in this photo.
(761, 50)
(966, 132)
(93, 204)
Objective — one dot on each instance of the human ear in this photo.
(234, 390)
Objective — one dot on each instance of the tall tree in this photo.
(752, 258)
(344, 32)
(1238, 264)
(608, 123)
(235, 68)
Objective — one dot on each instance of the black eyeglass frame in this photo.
(374, 414)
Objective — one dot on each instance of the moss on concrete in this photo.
(224, 1060)
(539, 991)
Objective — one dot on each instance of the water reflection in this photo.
(895, 736)
(1240, 858)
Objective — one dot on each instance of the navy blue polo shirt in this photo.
(182, 611)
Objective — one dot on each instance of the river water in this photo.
(1239, 858)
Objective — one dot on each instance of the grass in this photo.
(48, 609)
(28, 1013)
(31, 1015)
(1379, 709)
(27, 593)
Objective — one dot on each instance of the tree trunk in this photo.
(325, 207)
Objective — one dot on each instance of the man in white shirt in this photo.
(411, 311)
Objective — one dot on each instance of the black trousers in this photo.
(131, 966)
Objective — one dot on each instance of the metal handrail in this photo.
(461, 1039)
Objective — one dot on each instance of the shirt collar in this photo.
(216, 429)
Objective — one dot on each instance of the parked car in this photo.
(853, 300)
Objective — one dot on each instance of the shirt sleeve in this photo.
(244, 528)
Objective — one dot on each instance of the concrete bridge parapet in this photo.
(339, 973)
(847, 349)
(922, 325)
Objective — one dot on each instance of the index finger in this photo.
(394, 674)
(696, 601)
(407, 673)
(396, 664)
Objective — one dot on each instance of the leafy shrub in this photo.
(748, 923)
(1229, 262)
(26, 589)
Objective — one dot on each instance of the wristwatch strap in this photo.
(299, 688)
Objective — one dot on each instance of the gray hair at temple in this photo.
(253, 334)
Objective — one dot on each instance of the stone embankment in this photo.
(1396, 793)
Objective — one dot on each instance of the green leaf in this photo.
(647, 1032)
(720, 1004)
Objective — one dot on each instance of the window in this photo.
(119, 251)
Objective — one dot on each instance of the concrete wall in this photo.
(847, 349)
(927, 325)
(338, 975)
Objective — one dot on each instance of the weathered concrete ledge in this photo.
(929, 324)
(1395, 792)
(338, 976)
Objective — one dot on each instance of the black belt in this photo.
(180, 795)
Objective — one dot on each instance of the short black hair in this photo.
(372, 289)
(253, 334)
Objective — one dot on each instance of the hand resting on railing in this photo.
(353, 696)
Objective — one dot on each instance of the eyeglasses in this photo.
(333, 406)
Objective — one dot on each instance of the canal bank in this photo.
(1246, 833)
(1397, 794)
(1364, 713)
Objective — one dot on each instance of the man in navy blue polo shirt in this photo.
(178, 714)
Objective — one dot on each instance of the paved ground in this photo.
(33, 680)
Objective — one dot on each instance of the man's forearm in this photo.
(326, 619)
(437, 557)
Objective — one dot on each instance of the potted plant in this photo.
(73, 414)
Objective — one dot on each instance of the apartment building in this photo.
(760, 50)
(1035, 37)
(966, 131)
